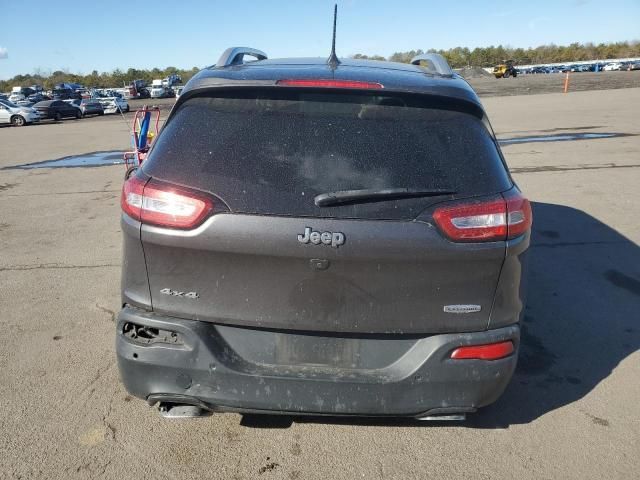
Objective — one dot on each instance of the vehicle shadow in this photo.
(580, 322)
(581, 318)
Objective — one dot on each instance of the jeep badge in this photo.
(335, 239)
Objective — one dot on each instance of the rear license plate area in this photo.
(316, 351)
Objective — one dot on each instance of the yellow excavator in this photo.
(505, 70)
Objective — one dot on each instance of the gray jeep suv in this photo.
(312, 237)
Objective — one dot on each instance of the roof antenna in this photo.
(333, 58)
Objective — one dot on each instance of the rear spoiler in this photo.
(461, 103)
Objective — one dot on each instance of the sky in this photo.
(81, 36)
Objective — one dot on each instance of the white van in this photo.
(16, 94)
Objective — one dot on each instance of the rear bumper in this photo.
(249, 370)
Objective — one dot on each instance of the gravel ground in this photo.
(554, 83)
(571, 411)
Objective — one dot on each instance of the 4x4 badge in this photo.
(174, 293)
(335, 239)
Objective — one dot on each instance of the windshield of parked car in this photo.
(7, 103)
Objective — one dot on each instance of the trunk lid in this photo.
(272, 257)
(387, 277)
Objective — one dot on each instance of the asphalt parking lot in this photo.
(554, 83)
(571, 411)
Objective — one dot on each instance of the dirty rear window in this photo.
(272, 155)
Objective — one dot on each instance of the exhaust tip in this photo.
(179, 410)
(446, 414)
(460, 417)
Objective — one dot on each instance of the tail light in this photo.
(327, 83)
(494, 219)
(519, 216)
(163, 204)
(492, 351)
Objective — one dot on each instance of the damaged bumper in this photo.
(225, 368)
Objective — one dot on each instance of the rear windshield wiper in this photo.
(372, 195)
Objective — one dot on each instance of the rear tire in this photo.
(57, 116)
(506, 74)
(79, 115)
(18, 121)
(515, 74)
(127, 109)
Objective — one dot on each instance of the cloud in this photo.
(4, 53)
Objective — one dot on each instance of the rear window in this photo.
(272, 155)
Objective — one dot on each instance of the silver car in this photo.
(88, 106)
(17, 115)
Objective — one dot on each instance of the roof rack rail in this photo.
(235, 56)
(435, 63)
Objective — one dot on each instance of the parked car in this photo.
(114, 104)
(580, 68)
(610, 67)
(16, 97)
(17, 115)
(84, 93)
(37, 97)
(540, 70)
(65, 94)
(57, 109)
(109, 92)
(626, 66)
(298, 242)
(21, 93)
(88, 106)
(178, 91)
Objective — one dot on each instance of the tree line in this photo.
(115, 79)
(489, 56)
(457, 57)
